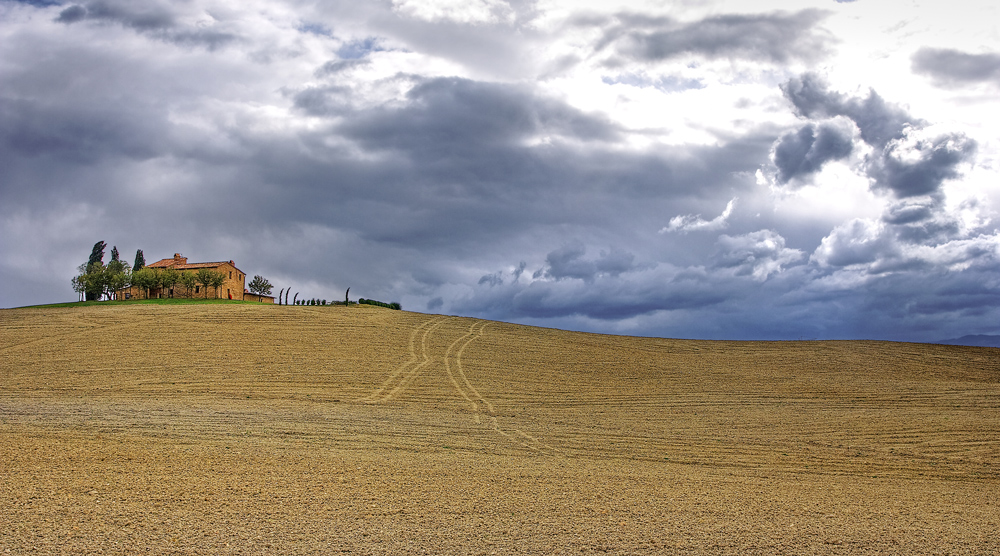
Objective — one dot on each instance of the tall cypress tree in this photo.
(140, 260)
(114, 254)
(93, 274)
(97, 253)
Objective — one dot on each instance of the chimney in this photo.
(178, 259)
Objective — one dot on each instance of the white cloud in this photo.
(694, 222)
(756, 254)
(459, 11)
(858, 242)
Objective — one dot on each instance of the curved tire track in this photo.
(401, 377)
(481, 405)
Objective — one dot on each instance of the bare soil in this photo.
(244, 429)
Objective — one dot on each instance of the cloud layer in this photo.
(711, 171)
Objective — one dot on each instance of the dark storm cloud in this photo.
(40, 3)
(459, 161)
(911, 210)
(805, 151)
(934, 293)
(905, 162)
(145, 17)
(776, 37)
(878, 121)
(607, 297)
(569, 262)
(77, 133)
(336, 66)
(364, 172)
(951, 68)
(450, 115)
(140, 16)
(324, 101)
(919, 167)
(614, 286)
(72, 14)
(929, 231)
(925, 220)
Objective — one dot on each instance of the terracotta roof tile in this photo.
(172, 263)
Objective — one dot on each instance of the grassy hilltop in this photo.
(263, 429)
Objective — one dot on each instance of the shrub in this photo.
(393, 305)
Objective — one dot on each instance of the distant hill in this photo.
(980, 340)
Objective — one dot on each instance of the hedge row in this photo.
(392, 305)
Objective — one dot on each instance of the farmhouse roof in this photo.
(180, 263)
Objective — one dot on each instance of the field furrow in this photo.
(403, 430)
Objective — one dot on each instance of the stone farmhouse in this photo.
(233, 288)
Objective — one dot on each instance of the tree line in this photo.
(98, 281)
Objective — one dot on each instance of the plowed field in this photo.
(261, 429)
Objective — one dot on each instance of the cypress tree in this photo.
(114, 254)
(93, 273)
(140, 260)
(97, 253)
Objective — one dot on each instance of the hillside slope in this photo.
(276, 429)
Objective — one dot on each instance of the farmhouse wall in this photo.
(247, 296)
(233, 288)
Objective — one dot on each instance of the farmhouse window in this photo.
(230, 275)
(196, 288)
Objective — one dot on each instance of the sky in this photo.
(807, 169)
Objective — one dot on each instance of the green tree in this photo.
(93, 280)
(80, 284)
(204, 276)
(143, 279)
(117, 276)
(92, 274)
(169, 278)
(97, 253)
(158, 279)
(216, 280)
(140, 260)
(260, 286)
(189, 281)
